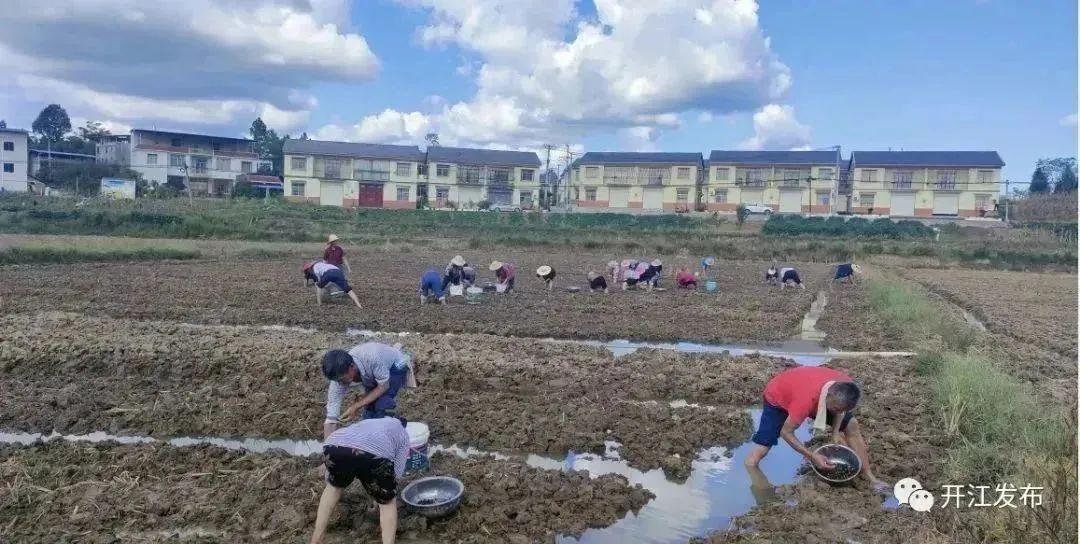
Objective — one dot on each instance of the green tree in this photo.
(85, 178)
(1066, 183)
(1039, 182)
(269, 146)
(52, 123)
(432, 139)
(93, 131)
(3, 123)
(304, 136)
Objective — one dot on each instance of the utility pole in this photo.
(545, 199)
(569, 173)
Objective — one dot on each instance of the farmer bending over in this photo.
(810, 392)
(790, 275)
(455, 272)
(504, 273)
(597, 282)
(685, 279)
(323, 274)
(547, 275)
(375, 452)
(848, 271)
(431, 286)
(651, 275)
(382, 370)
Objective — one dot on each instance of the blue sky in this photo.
(961, 74)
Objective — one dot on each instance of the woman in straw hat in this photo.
(455, 271)
(334, 254)
(504, 273)
(547, 274)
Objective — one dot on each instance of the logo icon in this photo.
(910, 492)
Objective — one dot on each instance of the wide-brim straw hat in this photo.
(495, 265)
(332, 238)
(710, 260)
(856, 268)
(543, 270)
(458, 260)
(657, 263)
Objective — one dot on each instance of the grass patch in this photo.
(51, 254)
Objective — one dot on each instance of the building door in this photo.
(331, 193)
(370, 195)
(791, 201)
(619, 197)
(500, 196)
(946, 204)
(902, 205)
(653, 198)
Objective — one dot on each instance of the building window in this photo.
(151, 159)
(9, 167)
(946, 179)
(525, 199)
(442, 194)
(590, 194)
(982, 201)
(683, 172)
(297, 187)
(526, 175)
(902, 179)
(866, 200)
(986, 176)
(200, 164)
(245, 167)
(403, 191)
(755, 176)
(332, 168)
(9, 146)
(825, 173)
(869, 176)
(442, 170)
(592, 172)
(298, 163)
(823, 198)
(722, 174)
(403, 169)
(682, 196)
(720, 196)
(224, 164)
(176, 161)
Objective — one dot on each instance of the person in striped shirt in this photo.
(373, 451)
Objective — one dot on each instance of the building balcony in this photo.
(372, 175)
(901, 185)
(944, 185)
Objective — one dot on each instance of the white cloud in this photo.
(775, 127)
(199, 61)
(114, 127)
(640, 138)
(546, 74)
(1068, 120)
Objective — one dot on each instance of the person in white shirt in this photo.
(323, 274)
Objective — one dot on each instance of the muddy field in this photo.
(272, 292)
(849, 321)
(493, 393)
(149, 493)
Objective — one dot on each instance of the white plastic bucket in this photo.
(474, 295)
(500, 287)
(710, 286)
(418, 446)
(457, 290)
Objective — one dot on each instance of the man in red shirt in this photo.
(335, 255)
(810, 392)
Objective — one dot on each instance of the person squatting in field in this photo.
(381, 370)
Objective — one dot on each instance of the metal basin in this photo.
(434, 496)
(846, 465)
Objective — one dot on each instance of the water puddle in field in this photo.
(718, 489)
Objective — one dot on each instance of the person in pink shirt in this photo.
(504, 272)
(686, 279)
(822, 394)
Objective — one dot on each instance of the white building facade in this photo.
(14, 159)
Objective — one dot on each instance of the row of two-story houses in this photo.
(894, 183)
(399, 176)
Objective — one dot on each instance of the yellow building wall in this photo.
(922, 180)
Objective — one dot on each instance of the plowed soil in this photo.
(897, 418)
(530, 396)
(850, 323)
(149, 493)
(272, 292)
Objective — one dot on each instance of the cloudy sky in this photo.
(672, 75)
